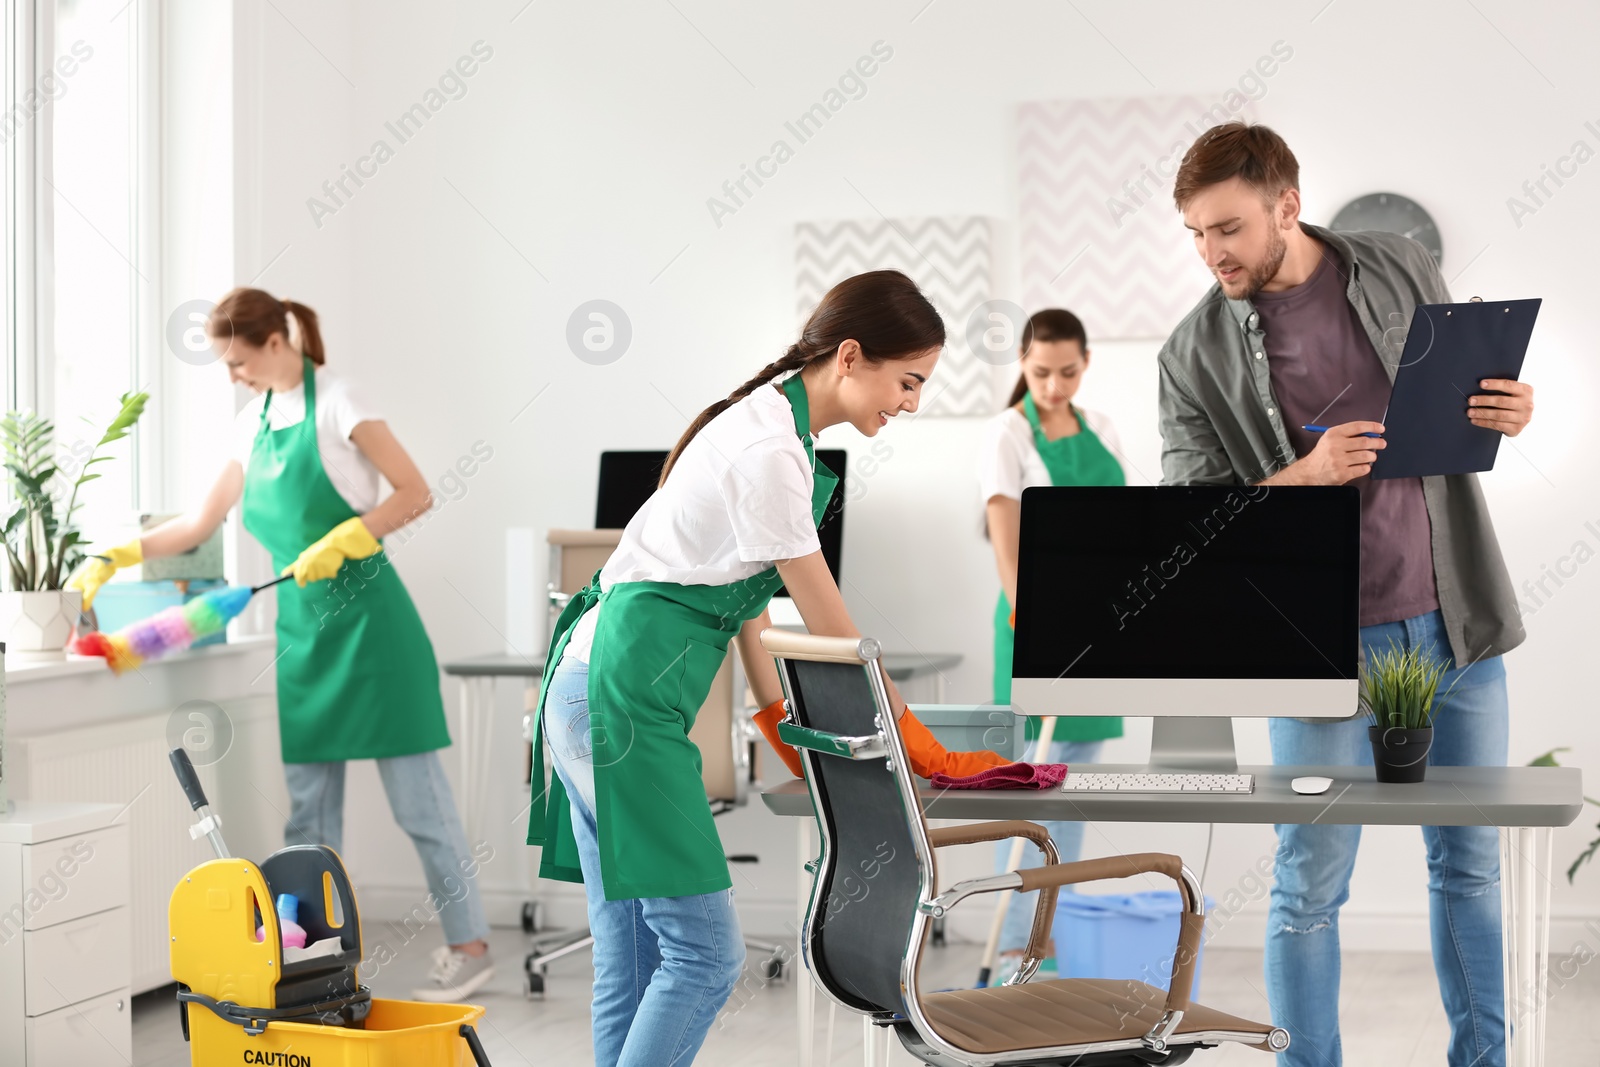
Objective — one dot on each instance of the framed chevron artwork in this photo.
(1097, 229)
(948, 257)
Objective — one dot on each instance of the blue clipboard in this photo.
(1449, 349)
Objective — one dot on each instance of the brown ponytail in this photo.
(256, 315)
(1051, 324)
(883, 311)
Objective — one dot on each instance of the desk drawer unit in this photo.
(65, 942)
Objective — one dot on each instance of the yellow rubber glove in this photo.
(349, 540)
(95, 572)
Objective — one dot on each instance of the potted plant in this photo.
(1399, 691)
(42, 543)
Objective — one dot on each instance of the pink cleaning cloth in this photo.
(1010, 776)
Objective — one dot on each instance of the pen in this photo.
(1324, 429)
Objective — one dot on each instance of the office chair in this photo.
(874, 895)
(722, 730)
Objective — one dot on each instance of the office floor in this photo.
(1389, 1005)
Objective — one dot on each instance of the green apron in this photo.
(657, 648)
(356, 673)
(1081, 459)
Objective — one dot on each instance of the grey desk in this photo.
(475, 740)
(1524, 803)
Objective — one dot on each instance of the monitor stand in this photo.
(1194, 743)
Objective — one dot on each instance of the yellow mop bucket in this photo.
(245, 998)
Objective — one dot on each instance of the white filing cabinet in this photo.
(64, 935)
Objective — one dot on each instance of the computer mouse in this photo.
(1311, 785)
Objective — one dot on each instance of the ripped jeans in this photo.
(1314, 863)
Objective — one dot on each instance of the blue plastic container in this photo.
(120, 604)
(1129, 935)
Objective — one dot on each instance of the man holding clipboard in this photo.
(1294, 336)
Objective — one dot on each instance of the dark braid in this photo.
(883, 311)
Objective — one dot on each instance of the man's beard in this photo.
(1266, 270)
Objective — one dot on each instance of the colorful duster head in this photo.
(169, 630)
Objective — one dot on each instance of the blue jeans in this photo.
(1069, 843)
(1314, 865)
(663, 966)
(419, 796)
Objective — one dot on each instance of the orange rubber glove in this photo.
(928, 757)
(767, 722)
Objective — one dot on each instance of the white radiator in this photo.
(126, 763)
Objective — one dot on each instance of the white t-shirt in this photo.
(339, 411)
(1009, 462)
(739, 498)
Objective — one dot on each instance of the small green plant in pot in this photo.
(42, 540)
(1400, 692)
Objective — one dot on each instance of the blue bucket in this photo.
(1130, 935)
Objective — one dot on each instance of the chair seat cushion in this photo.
(1071, 1011)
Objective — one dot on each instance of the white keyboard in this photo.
(1170, 782)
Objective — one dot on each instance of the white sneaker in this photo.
(454, 975)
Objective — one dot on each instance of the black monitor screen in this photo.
(626, 481)
(628, 478)
(1188, 582)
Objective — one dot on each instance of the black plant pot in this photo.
(1400, 755)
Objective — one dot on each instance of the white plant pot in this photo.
(35, 626)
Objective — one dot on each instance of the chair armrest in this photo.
(1190, 927)
(1044, 910)
(973, 833)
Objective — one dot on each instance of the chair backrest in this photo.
(876, 863)
(574, 557)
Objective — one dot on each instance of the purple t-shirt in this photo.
(1325, 372)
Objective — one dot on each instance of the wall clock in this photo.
(1391, 213)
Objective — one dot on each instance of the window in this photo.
(93, 191)
(79, 277)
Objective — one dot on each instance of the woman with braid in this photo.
(734, 516)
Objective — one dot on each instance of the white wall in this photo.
(578, 164)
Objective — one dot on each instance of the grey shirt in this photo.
(1222, 424)
(1324, 371)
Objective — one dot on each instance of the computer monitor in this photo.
(628, 478)
(1191, 604)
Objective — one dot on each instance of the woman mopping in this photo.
(356, 672)
(735, 515)
(1042, 438)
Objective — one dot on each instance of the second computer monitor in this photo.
(1182, 601)
(628, 478)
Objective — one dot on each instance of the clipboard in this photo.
(1449, 349)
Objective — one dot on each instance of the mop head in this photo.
(169, 630)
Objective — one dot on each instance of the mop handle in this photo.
(210, 824)
(991, 947)
(269, 585)
(183, 767)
